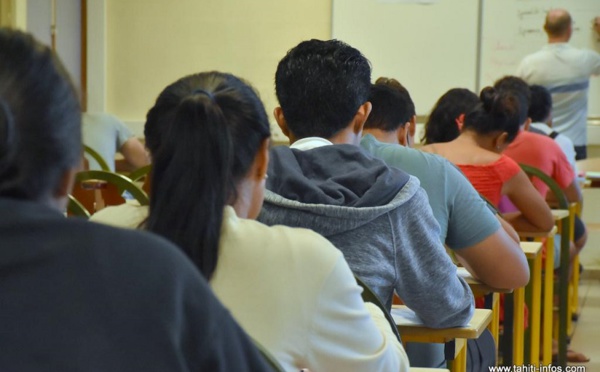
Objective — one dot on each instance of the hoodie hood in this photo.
(332, 189)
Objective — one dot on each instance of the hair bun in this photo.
(487, 97)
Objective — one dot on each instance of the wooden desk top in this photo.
(531, 249)
(478, 286)
(559, 214)
(410, 325)
(538, 234)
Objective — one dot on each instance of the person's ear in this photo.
(501, 142)
(412, 131)
(360, 118)
(261, 160)
(460, 121)
(280, 119)
(402, 133)
(527, 124)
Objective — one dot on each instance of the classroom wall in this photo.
(152, 43)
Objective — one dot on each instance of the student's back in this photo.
(376, 215)
(80, 296)
(77, 296)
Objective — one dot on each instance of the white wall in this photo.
(68, 36)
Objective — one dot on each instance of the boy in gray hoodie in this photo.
(378, 216)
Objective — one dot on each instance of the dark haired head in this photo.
(558, 23)
(498, 112)
(520, 89)
(392, 108)
(393, 83)
(320, 86)
(541, 104)
(203, 133)
(40, 120)
(441, 124)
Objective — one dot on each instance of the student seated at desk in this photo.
(107, 135)
(78, 296)
(488, 129)
(544, 153)
(468, 227)
(378, 216)
(291, 289)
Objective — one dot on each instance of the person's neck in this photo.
(468, 137)
(243, 199)
(558, 40)
(382, 136)
(346, 136)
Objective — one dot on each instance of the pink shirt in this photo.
(542, 152)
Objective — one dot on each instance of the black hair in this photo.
(541, 104)
(203, 133)
(441, 124)
(498, 112)
(391, 82)
(40, 119)
(520, 89)
(391, 108)
(320, 85)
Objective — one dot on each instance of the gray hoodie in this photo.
(379, 217)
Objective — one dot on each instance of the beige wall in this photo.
(150, 43)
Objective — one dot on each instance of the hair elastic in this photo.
(202, 91)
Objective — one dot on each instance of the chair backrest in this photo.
(369, 296)
(563, 203)
(76, 209)
(271, 361)
(97, 157)
(110, 186)
(140, 173)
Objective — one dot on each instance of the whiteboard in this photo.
(513, 29)
(430, 47)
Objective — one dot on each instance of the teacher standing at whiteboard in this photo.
(565, 71)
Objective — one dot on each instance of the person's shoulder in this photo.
(292, 240)
(123, 246)
(540, 140)
(128, 215)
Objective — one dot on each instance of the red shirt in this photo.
(488, 179)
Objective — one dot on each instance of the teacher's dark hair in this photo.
(203, 133)
(40, 119)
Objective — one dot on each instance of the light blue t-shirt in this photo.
(106, 134)
(463, 216)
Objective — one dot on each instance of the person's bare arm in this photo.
(534, 213)
(573, 193)
(497, 261)
(510, 230)
(135, 153)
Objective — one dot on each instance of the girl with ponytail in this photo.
(488, 129)
(290, 289)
